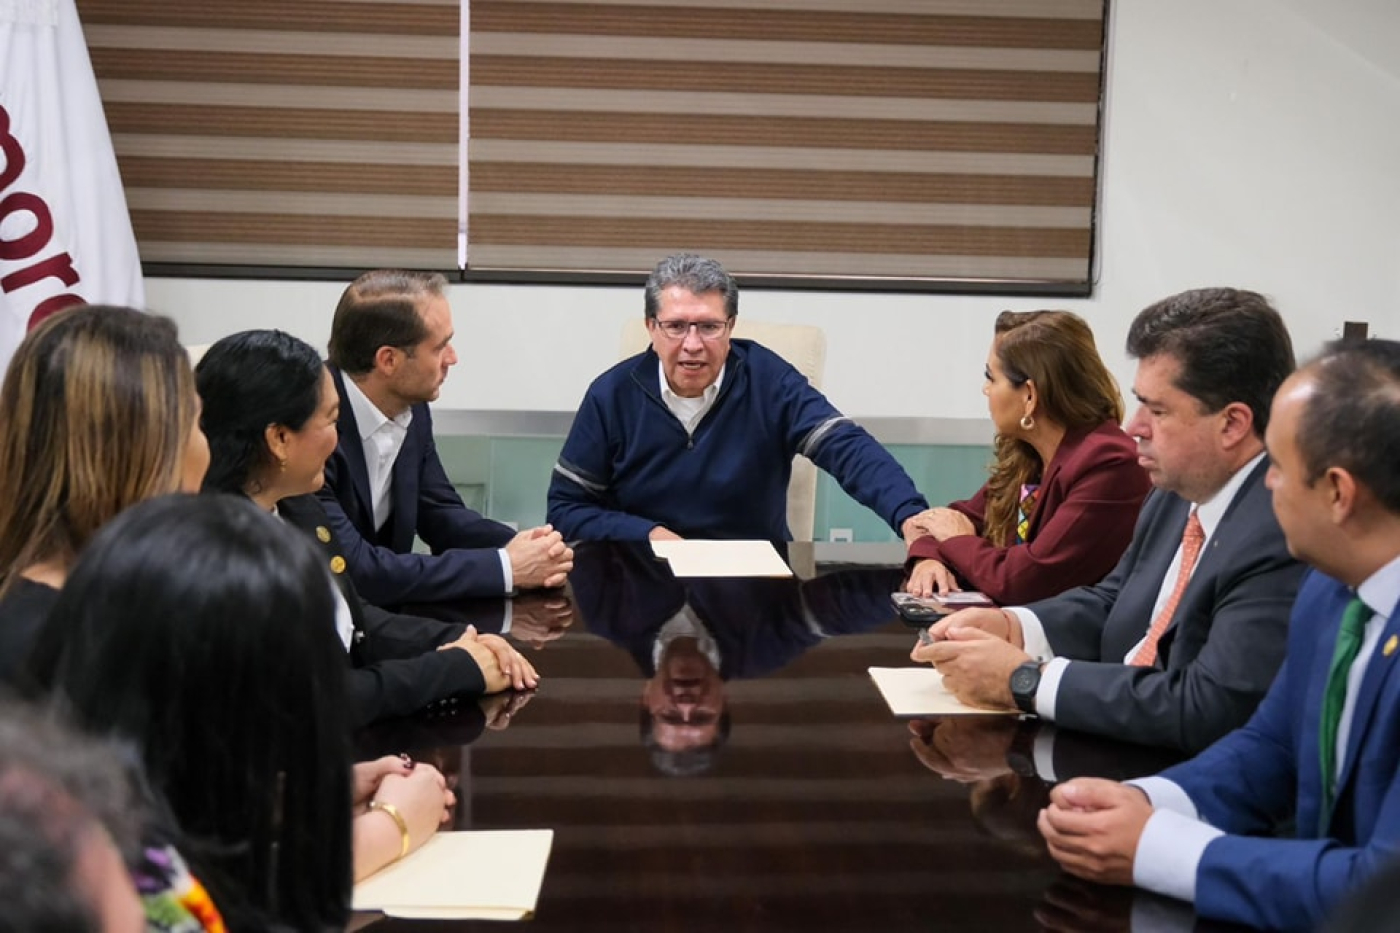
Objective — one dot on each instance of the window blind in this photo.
(284, 133)
(915, 141)
(938, 143)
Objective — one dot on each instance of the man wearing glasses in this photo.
(695, 437)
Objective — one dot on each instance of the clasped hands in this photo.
(502, 667)
(539, 558)
(976, 650)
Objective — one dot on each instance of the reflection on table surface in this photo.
(712, 755)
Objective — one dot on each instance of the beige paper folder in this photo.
(919, 691)
(722, 558)
(486, 875)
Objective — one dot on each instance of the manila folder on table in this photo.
(703, 558)
(479, 875)
(919, 691)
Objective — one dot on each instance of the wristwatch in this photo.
(1025, 681)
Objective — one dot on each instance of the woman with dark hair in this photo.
(1065, 487)
(200, 633)
(100, 413)
(270, 415)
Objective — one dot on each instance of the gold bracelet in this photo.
(397, 817)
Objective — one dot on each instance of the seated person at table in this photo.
(65, 822)
(100, 412)
(269, 414)
(198, 633)
(390, 349)
(1176, 646)
(1066, 487)
(1322, 747)
(695, 437)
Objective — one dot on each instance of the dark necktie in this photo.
(1334, 697)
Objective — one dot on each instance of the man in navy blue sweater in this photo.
(695, 437)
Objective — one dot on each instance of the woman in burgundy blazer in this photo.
(1065, 488)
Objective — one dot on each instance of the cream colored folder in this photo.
(485, 875)
(721, 558)
(919, 691)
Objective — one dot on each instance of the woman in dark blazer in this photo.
(1065, 487)
(270, 415)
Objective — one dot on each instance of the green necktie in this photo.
(1334, 698)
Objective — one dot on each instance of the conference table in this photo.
(712, 755)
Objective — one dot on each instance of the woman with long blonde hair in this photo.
(100, 413)
(1059, 507)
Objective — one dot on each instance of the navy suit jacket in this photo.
(1248, 781)
(464, 561)
(1222, 650)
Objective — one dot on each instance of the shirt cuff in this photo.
(1166, 794)
(507, 616)
(1049, 687)
(1169, 854)
(1033, 640)
(506, 574)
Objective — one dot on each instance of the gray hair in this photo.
(56, 788)
(695, 274)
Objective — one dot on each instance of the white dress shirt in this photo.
(1209, 513)
(382, 438)
(689, 411)
(685, 624)
(1174, 839)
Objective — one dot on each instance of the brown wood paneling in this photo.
(906, 135)
(406, 19)
(315, 177)
(704, 235)
(657, 180)
(249, 68)
(760, 78)
(696, 22)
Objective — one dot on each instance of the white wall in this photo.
(1253, 143)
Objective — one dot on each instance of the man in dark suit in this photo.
(1324, 746)
(1177, 645)
(390, 350)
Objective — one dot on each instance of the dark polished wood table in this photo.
(712, 755)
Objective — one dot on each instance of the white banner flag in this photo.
(65, 235)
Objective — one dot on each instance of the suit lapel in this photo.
(352, 447)
(403, 489)
(1226, 540)
(1135, 605)
(1050, 474)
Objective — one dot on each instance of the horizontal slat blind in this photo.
(303, 133)
(914, 140)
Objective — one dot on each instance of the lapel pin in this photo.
(1391, 644)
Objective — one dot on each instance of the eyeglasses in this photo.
(708, 330)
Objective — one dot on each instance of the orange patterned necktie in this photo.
(1192, 537)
